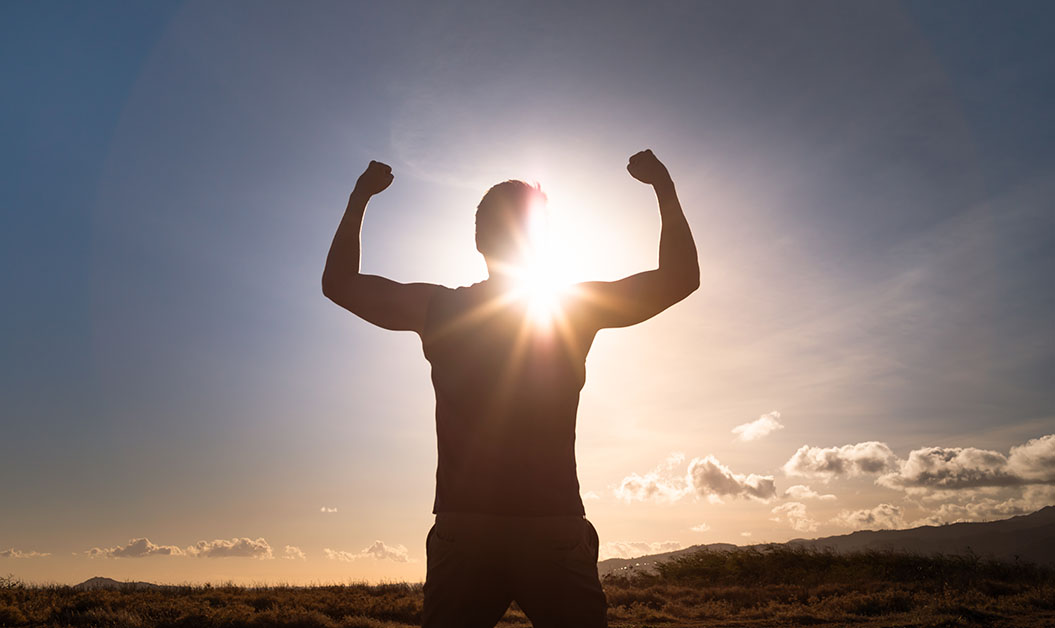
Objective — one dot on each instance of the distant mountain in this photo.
(1026, 537)
(100, 582)
(640, 563)
(1029, 538)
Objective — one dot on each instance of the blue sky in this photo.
(870, 186)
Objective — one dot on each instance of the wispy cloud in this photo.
(703, 527)
(233, 548)
(990, 509)
(327, 509)
(135, 548)
(882, 517)
(760, 427)
(14, 553)
(632, 549)
(800, 491)
(292, 552)
(794, 513)
(378, 550)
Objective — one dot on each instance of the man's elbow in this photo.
(328, 288)
(335, 289)
(688, 281)
(688, 285)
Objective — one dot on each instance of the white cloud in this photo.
(377, 550)
(1035, 460)
(951, 468)
(633, 549)
(13, 553)
(340, 555)
(760, 427)
(706, 477)
(292, 552)
(327, 509)
(938, 472)
(234, 548)
(703, 527)
(650, 486)
(882, 517)
(712, 479)
(745, 534)
(828, 463)
(794, 513)
(136, 548)
(800, 491)
(590, 496)
(1031, 499)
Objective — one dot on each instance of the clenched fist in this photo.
(375, 179)
(646, 168)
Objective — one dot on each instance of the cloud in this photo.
(327, 510)
(990, 509)
(291, 552)
(234, 548)
(712, 479)
(760, 427)
(951, 468)
(827, 463)
(706, 477)
(800, 491)
(934, 472)
(745, 534)
(882, 517)
(377, 550)
(658, 484)
(633, 549)
(794, 513)
(590, 495)
(344, 557)
(1035, 460)
(136, 548)
(703, 527)
(650, 486)
(13, 553)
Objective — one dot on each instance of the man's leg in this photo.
(466, 582)
(555, 575)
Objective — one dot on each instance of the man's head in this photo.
(503, 220)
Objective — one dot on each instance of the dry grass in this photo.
(750, 588)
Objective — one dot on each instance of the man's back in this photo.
(509, 520)
(507, 390)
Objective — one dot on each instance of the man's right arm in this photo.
(639, 297)
(383, 302)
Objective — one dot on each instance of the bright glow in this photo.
(544, 279)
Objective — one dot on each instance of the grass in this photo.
(748, 587)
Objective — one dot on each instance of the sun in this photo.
(543, 280)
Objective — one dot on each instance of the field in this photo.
(749, 588)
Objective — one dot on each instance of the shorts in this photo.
(479, 564)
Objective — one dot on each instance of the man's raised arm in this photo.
(639, 297)
(383, 302)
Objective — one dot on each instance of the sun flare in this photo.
(543, 279)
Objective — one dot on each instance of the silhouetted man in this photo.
(510, 523)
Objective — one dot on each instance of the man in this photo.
(510, 523)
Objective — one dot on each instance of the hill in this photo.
(1029, 538)
(99, 582)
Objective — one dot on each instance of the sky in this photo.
(870, 186)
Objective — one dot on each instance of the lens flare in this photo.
(540, 282)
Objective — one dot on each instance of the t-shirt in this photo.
(507, 391)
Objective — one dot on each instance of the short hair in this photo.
(502, 215)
